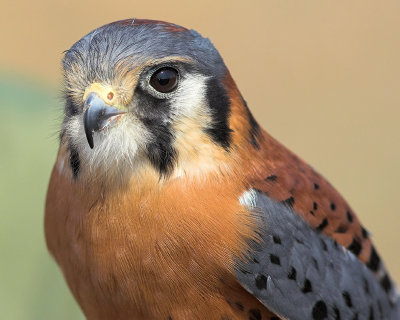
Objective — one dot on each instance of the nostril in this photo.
(110, 96)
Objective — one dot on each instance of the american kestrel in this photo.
(168, 200)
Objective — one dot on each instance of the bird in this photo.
(168, 200)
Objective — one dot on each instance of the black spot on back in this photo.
(219, 105)
(322, 225)
(261, 282)
(239, 306)
(386, 283)
(315, 206)
(349, 216)
(292, 273)
(289, 202)
(347, 299)
(272, 177)
(374, 260)
(355, 247)
(276, 239)
(254, 314)
(307, 287)
(320, 311)
(336, 312)
(275, 259)
(371, 313)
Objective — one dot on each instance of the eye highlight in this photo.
(165, 79)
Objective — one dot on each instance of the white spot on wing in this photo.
(248, 198)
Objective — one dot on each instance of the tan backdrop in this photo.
(321, 76)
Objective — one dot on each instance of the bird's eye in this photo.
(165, 80)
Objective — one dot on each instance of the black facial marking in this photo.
(355, 247)
(74, 161)
(333, 206)
(239, 306)
(153, 112)
(272, 177)
(254, 131)
(261, 282)
(374, 260)
(312, 212)
(292, 274)
(289, 202)
(254, 314)
(307, 287)
(347, 299)
(386, 283)
(316, 186)
(322, 225)
(349, 216)
(315, 206)
(275, 259)
(219, 104)
(320, 311)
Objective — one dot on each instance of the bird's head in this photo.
(142, 93)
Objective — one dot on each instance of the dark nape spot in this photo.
(276, 239)
(322, 225)
(324, 246)
(355, 247)
(307, 287)
(335, 244)
(315, 262)
(336, 312)
(292, 274)
(219, 105)
(312, 212)
(341, 229)
(254, 131)
(261, 282)
(275, 259)
(74, 161)
(366, 285)
(347, 299)
(316, 186)
(272, 177)
(320, 311)
(289, 202)
(371, 313)
(333, 206)
(239, 306)
(349, 216)
(315, 206)
(374, 260)
(364, 232)
(254, 314)
(386, 283)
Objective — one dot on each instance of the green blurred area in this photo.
(32, 286)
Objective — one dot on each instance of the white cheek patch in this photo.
(189, 98)
(115, 148)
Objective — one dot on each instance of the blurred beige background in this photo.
(320, 76)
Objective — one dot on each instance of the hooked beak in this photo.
(97, 116)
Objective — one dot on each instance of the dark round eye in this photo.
(165, 80)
